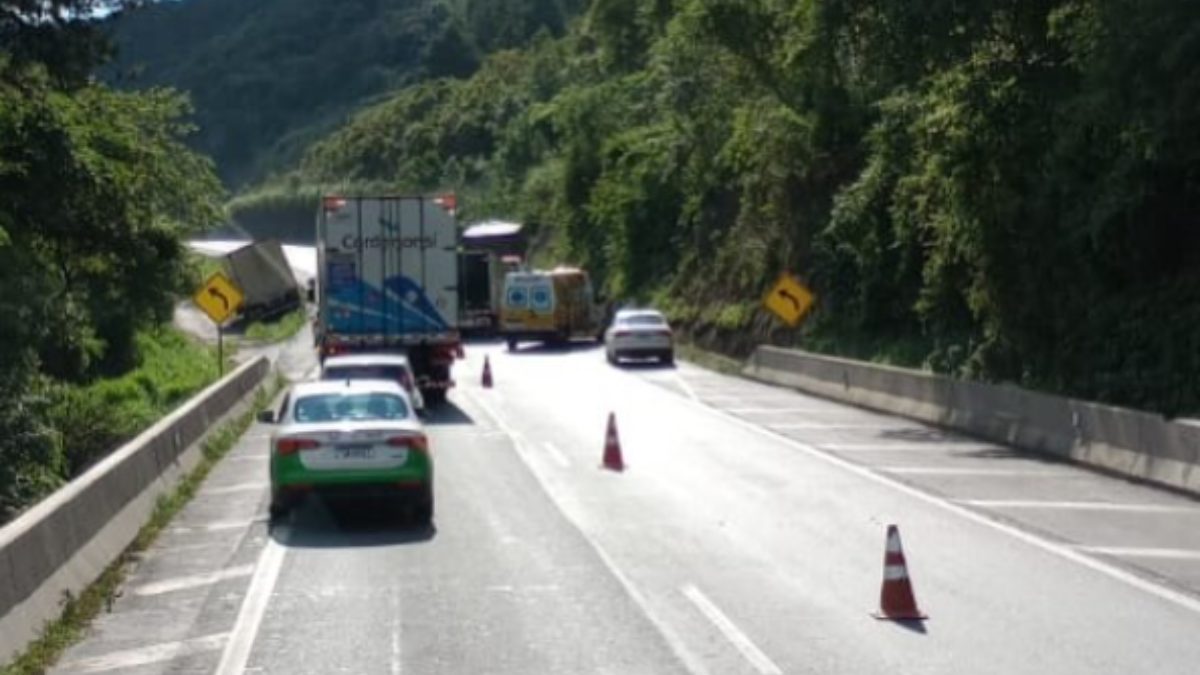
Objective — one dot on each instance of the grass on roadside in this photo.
(279, 329)
(707, 359)
(78, 612)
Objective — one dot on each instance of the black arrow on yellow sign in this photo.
(790, 298)
(220, 296)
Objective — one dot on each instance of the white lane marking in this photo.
(1159, 553)
(249, 457)
(761, 662)
(232, 489)
(690, 661)
(1077, 506)
(789, 411)
(254, 606)
(557, 454)
(397, 660)
(951, 471)
(931, 446)
(817, 426)
(193, 581)
(1064, 551)
(142, 656)
(687, 388)
(214, 527)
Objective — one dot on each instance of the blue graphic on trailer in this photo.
(401, 306)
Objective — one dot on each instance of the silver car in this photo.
(639, 333)
(394, 367)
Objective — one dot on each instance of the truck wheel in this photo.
(512, 344)
(434, 396)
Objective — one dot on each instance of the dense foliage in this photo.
(96, 189)
(269, 77)
(995, 189)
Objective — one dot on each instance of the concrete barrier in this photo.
(1133, 443)
(63, 544)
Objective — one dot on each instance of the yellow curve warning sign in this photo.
(789, 300)
(219, 298)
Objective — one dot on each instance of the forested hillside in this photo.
(270, 76)
(996, 189)
(97, 189)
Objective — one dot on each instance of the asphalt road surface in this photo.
(746, 535)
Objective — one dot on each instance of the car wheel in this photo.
(667, 359)
(424, 509)
(610, 357)
(280, 508)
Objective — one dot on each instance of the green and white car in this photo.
(349, 437)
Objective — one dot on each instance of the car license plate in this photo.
(357, 451)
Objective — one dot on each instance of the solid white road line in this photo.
(931, 446)
(952, 471)
(1158, 553)
(254, 606)
(1065, 551)
(826, 426)
(213, 527)
(689, 660)
(761, 662)
(789, 411)
(1078, 506)
(557, 454)
(193, 581)
(142, 656)
(687, 388)
(233, 489)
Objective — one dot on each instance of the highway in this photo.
(746, 535)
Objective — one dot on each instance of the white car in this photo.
(351, 437)
(394, 367)
(639, 333)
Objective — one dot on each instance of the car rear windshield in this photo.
(393, 373)
(643, 320)
(350, 407)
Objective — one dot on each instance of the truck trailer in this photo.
(387, 281)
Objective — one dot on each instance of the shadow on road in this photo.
(337, 523)
(645, 365)
(445, 414)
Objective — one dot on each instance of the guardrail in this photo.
(63, 544)
(1129, 442)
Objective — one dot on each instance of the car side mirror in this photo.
(266, 416)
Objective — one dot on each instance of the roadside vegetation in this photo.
(97, 190)
(277, 329)
(79, 612)
(995, 190)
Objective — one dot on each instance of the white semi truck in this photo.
(387, 281)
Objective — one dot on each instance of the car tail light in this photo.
(622, 333)
(415, 442)
(290, 446)
(664, 333)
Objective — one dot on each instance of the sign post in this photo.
(220, 299)
(789, 300)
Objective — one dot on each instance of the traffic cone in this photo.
(896, 600)
(612, 446)
(487, 373)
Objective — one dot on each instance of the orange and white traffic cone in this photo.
(612, 446)
(896, 600)
(487, 373)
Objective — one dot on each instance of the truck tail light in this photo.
(290, 446)
(415, 442)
